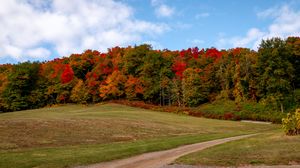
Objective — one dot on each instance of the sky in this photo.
(39, 30)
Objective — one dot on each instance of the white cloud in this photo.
(28, 25)
(161, 9)
(164, 11)
(271, 12)
(196, 41)
(38, 53)
(13, 51)
(252, 35)
(285, 23)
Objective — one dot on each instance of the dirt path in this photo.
(162, 158)
(260, 166)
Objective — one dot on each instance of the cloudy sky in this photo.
(46, 29)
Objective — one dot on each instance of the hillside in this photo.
(77, 135)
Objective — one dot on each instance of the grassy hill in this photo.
(271, 148)
(73, 135)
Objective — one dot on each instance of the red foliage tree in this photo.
(236, 51)
(213, 53)
(133, 87)
(178, 68)
(67, 74)
(195, 52)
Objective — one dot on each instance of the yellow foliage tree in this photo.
(79, 93)
(113, 86)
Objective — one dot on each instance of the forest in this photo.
(187, 78)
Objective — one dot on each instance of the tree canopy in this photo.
(189, 77)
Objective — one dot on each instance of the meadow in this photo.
(269, 148)
(72, 135)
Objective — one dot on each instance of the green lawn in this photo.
(75, 135)
(272, 148)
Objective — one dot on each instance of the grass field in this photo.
(272, 148)
(76, 135)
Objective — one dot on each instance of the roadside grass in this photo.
(73, 135)
(272, 148)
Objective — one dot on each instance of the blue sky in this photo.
(46, 29)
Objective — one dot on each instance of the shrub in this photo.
(291, 124)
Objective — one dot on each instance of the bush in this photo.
(291, 124)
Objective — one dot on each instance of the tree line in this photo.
(189, 77)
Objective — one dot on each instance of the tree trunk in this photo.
(163, 97)
(169, 98)
(281, 107)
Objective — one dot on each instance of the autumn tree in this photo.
(293, 44)
(21, 81)
(167, 96)
(37, 97)
(116, 54)
(224, 73)
(133, 59)
(79, 93)
(83, 63)
(67, 74)
(97, 76)
(4, 71)
(275, 72)
(133, 88)
(238, 89)
(187, 77)
(194, 92)
(113, 86)
(179, 67)
(150, 75)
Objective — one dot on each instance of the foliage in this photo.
(293, 45)
(275, 72)
(248, 110)
(193, 88)
(67, 75)
(21, 81)
(187, 78)
(83, 63)
(151, 76)
(133, 59)
(291, 124)
(133, 88)
(4, 71)
(113, 87)
(79, 93)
